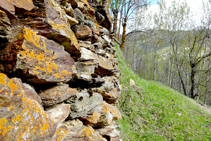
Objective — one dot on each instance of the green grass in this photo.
(154, 112)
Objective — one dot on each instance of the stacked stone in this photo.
(58, 71)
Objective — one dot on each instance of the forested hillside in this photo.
(152, 111)
(176, 52)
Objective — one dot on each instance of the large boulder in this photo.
(36, 59)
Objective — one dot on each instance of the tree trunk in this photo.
(192, 78)
(155, 64)
(123, 35)
(115, 12)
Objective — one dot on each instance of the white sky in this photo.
(196, 11)
(196, 7)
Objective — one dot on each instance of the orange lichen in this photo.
(97, 25)
(16, 119)
(3, 12)
(66, 29)
(60, 133)
(2, 78)
(40, 57)
(31, 37)
(57, 75)
(105, 63)
(65, 72)
(55, 66)
(94, 117)
(88, 132)
(37, 40)
(10, 108)
(49, 67)
(2, 128)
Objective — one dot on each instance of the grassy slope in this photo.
(158, 113)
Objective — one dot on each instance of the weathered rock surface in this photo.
(56, 94)
(59, 113)
(82, 31)
(21, 118)
(110, 133)
(31, 93)
(5, 30)
(49, 20)
(72, 21)
(37, 59)
(82, 102)
(102, 115)
(83, 133)
(110, 90)
(58, 71)
(11, 4)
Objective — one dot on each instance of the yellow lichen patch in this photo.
(42, 43)
(39, 68)
(97, 25)
(40, 57)
(88, 132)
(105, 63)
(31, 54)
(49, 67)
(3, 12)
(65, 72)
(106, 108)
(60, 133)
(55, 66)
(57, 75)
(94, 118)
(31, 36)
(66, 29)
(12, 86)
(10, 108)
(2, 78)
(16, 119)
(4, 129)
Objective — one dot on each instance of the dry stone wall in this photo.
(59, 79)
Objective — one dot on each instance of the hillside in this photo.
(152, 111)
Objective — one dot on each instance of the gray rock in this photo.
(89, 23)
(104, 31)
(83, 102)
(79, 15)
